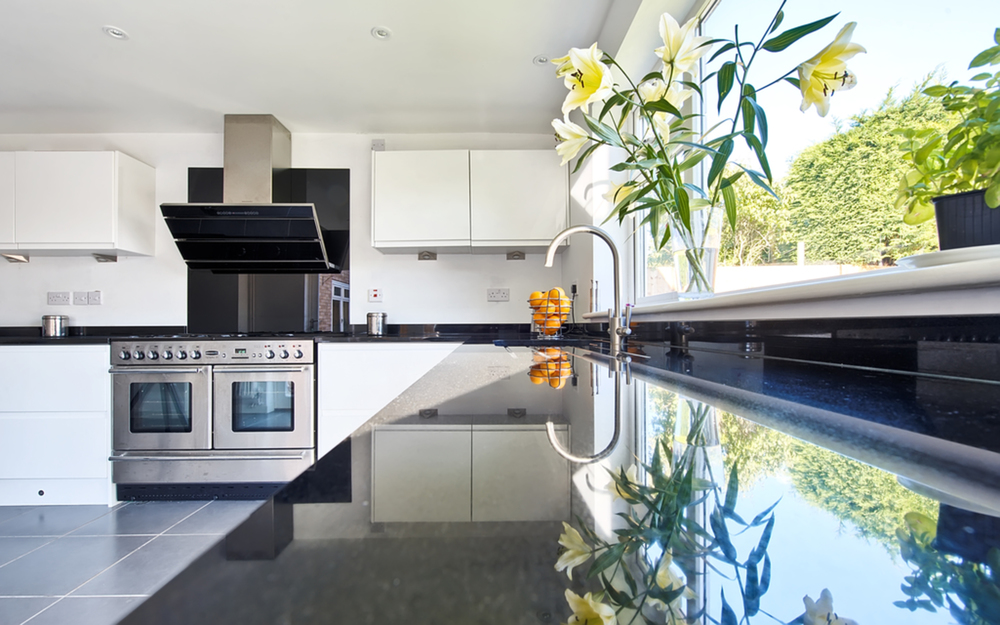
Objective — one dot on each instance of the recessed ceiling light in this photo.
(381, 32)
(541, 59)
(115, 33)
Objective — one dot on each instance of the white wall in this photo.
(136, 290)
(152, 290)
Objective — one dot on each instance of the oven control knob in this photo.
(284, 353)
(298, 353)
(195, 355)
(124, 354)
(269, 354)
(153, 355)
(181, 354)
(139, 354)
(168, 355)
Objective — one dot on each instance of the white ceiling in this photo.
(449, 66)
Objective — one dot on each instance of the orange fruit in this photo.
(538, 317)
(537, 298)
(557, 382)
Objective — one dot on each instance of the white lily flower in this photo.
(821, 612)
(652, 90)
(572, 138)
(681, 47)
(826, 73)
(587, 611)
(589, 81)
(577, 550)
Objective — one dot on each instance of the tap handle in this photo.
(624, 329)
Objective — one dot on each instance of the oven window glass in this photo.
(157, 407)
(263, 406)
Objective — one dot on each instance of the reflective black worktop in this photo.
(878, 448)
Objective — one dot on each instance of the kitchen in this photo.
(151, 292)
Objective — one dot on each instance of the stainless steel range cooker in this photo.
(203, 417)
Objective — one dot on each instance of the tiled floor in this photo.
(91, 565)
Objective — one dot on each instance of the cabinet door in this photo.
(517, 196)
(65, 198)
(517, 476)
(420, 198)
(421, 473)
(6, 201)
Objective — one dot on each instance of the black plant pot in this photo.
(964, 220)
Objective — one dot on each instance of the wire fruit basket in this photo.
(549, 312)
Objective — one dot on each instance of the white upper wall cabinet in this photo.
(519, 197)
(460, 200)
(7, 201)
(420, 199)
(77, 203)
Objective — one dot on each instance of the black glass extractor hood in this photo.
(306, 229)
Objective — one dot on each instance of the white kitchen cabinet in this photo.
(7, 202)
(460, 200)
(55, 424)
(519, 198)
(356, 380)
(517, 476)
(79, 203)
(421, 473)
(421, 199)
(468, 473)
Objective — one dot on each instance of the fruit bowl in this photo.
(550, 365)
(549, 312)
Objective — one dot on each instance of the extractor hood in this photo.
(259, 227)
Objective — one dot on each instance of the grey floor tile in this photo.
(149, 517)
(87, 611)
(149, 568)
(63, 564)
(16, 610)
(15, 547)
(9, 512)
(218, 517)
(51, 520)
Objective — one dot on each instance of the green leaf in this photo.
(606, 559)
(982, 76)
(605, 132)
(787, 38)
(728, 616)
(761, 120)
(993, 193)
(761, 549)
(727, 73)
(617, 597)
(751, 592)
(683, 204)
(663, 106)
(586, 154)
(721, 534)
(984, 57)
(757, 520)
(794, 81)
(758, 149)
(765, 575)
(996, 35)
(777, 21)
(732, 489)
(726, 48)
(757, 180)
(719, 161)
(731, 203)
(612, 102)
(650, 76)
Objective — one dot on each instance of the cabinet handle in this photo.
(164, 371)
(237, 369)
(298, 456)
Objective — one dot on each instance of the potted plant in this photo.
(665, 144)
(956, 174)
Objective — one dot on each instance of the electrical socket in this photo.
(374, 295)
(94, 298)
(57, 298)
(497, 295)
(79, 298)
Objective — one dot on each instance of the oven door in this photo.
(162, 408)
(264, 407)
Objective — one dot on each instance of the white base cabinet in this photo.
(356, 380)
(462, 200)
(55, 425)
(77, 203)
(424, 473)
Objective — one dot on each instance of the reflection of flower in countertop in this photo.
(589, 611)
(631, 475)
(577, 550)
(821, 612)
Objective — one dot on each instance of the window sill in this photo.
(964, 288)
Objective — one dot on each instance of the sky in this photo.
(905, 40)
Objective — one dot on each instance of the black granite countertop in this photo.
(878, 448)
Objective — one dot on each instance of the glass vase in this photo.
(696, 252)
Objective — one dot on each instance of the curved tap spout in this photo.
(615, 328)
(550, 430)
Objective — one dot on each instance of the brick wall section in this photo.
(326, 282)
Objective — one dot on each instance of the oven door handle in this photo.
(163, 370)
(289, 456)
(240, 369)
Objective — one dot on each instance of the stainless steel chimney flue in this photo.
(255, 146)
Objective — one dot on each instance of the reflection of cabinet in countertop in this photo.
(468, 473)
(64, 203)
(457, 200)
